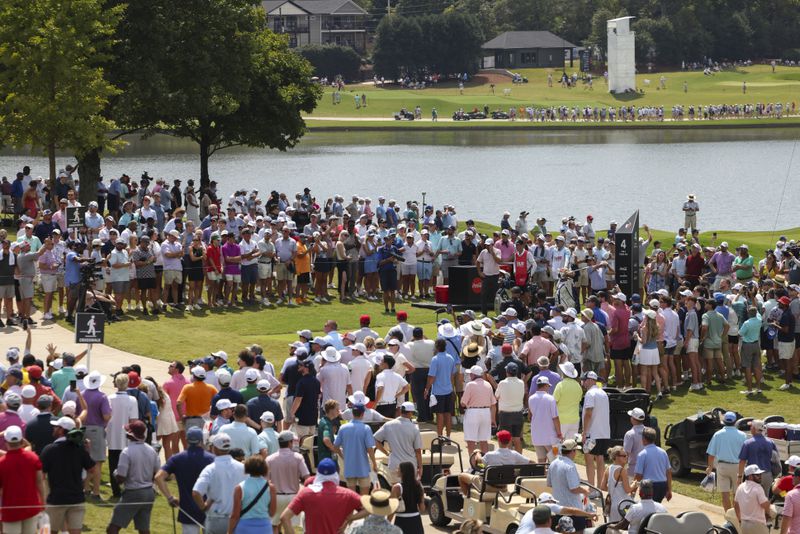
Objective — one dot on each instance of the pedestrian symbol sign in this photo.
(89, 327)
(76, 216)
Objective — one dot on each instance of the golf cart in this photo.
(435, 462)
(688, 440)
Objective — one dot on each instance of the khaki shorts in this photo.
(72, 514)
(712, 354)
(282, 273)
(727, 477)
(785, 350)
(361, 482)
(172, 277)
(235, 278)
(213, 276)
(264, 271)
(49, 283)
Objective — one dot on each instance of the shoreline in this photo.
(387, 125)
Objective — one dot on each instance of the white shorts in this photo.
(49, 283)
(785, 350)
(478, 424)
(235, 278)
(693, 345)
(264, 271)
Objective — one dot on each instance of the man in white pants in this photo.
(481, 406)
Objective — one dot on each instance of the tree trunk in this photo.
(89, 172)
(205, 148)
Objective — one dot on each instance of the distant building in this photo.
(341, 22)
(526, 49)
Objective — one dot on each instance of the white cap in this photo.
(198, 372)
(67, 423)
(13, 434)
(224, 404)
(252, 375)
(751, 469)
(263, 385)
(268, 417)
(28, 392)
(637, 413)
(223, 376)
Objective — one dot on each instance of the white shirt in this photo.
(600, 426)
(391, 383)
(123, 411)
(217, 482)
(360, 367)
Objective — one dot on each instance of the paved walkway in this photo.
(108, 360)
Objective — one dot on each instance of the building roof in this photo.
(526, 39)
(317, 7)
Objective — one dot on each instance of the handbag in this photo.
(254, 501)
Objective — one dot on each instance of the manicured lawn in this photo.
(721, 88)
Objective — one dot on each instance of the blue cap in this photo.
(327, 467)
(636, 297)
(729, 417)
(719, 297)
(194, 435)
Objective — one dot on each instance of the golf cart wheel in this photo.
(512, 529)
(676, 463)
(436, 512)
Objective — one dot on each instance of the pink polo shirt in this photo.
(478, 394)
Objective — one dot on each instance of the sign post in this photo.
(626, 255)
(76, 216)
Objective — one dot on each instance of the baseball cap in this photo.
(221, 441)
(64, 422)
(637, 413)
(13, 434)
(504, 436)
(729, 417)
(194, 435)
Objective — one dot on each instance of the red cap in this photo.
(504, 436)
(364, 320)
(402, 316)
(783, 300)
(507, 348)
(34, 371)
(133, 379)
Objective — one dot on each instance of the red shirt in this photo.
(18, 470)
(327, 510)
(213, 255)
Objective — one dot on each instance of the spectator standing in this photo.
(63, 462)
(138, 464)
(723, 455)
(186, 467)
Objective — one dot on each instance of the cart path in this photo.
(108, 360)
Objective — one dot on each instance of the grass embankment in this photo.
(194, 334)
(722, 88)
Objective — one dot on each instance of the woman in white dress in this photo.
(167, 429)
(192, 204)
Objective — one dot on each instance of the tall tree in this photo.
(210, 71)
(53, 91)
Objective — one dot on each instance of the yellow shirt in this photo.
(568, 395)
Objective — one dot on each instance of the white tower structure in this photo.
(621, 55)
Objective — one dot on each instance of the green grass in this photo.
(724, 87)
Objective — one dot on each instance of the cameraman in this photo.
(73, 264)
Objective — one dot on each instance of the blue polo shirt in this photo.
(726, 444)
(757, 450)
(355, 438)
(652, 463)
(443, 367)
(186, 466)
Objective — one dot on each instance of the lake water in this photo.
(737, 175)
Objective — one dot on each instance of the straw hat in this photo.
(380, 502)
